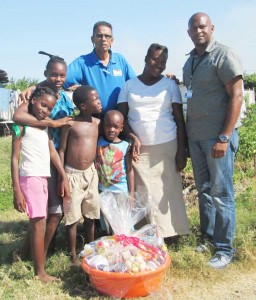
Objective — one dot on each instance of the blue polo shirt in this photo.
(107, 80)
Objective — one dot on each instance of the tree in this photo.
(247, 135)
(250, 81)
(20, 84)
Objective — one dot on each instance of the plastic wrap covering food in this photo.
(129, 263)
(122, 212)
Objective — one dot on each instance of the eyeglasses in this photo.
(100, 36)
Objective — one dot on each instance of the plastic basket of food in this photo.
(127, 267)
(129, 263)
(127, 285)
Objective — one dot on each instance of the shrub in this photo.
(21, 84)
(250, 81)
(247, 134)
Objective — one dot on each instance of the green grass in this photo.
(5, 177)
(17, 280)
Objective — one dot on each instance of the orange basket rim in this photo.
(93, 271)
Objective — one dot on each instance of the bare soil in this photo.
(228, 285)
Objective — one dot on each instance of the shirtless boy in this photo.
(77, 152)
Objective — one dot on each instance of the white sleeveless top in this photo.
(35, 153)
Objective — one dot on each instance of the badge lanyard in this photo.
(193, 69)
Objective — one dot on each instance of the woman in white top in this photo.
(152, 105)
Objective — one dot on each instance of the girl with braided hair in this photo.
(55, 73)
(30, 179)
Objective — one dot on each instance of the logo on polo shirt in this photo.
(117, 73)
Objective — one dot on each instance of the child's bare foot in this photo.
(16, 256)
(47, 278)
(75, 261)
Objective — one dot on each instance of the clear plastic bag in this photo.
(121, 212)
(129, 263)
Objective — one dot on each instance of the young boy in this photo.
(30, 180)
(77, 151)
(113, 160)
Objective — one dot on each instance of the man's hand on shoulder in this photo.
(173, 77)
(24, 96)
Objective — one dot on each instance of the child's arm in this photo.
(130, 178)
(64, 186)
(22, 116)
(18, 200)
(63, 142)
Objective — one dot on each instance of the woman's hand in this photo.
(181, 159)
(124, 109)
(136, 149)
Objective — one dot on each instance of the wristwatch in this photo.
(223, 138)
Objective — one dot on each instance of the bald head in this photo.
(114, 114)
(113, 125)
(196, 16)
(200, 30)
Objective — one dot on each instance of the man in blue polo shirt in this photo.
(104, 70)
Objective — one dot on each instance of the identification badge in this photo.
(188, 94)
(117, 73)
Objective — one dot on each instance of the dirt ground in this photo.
(229, 284)
(234, 286)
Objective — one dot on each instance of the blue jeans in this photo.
(214, 183)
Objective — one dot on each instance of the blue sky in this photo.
(64, 28)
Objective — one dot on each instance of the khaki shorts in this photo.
(84, 195)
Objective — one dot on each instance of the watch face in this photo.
(224, 138)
